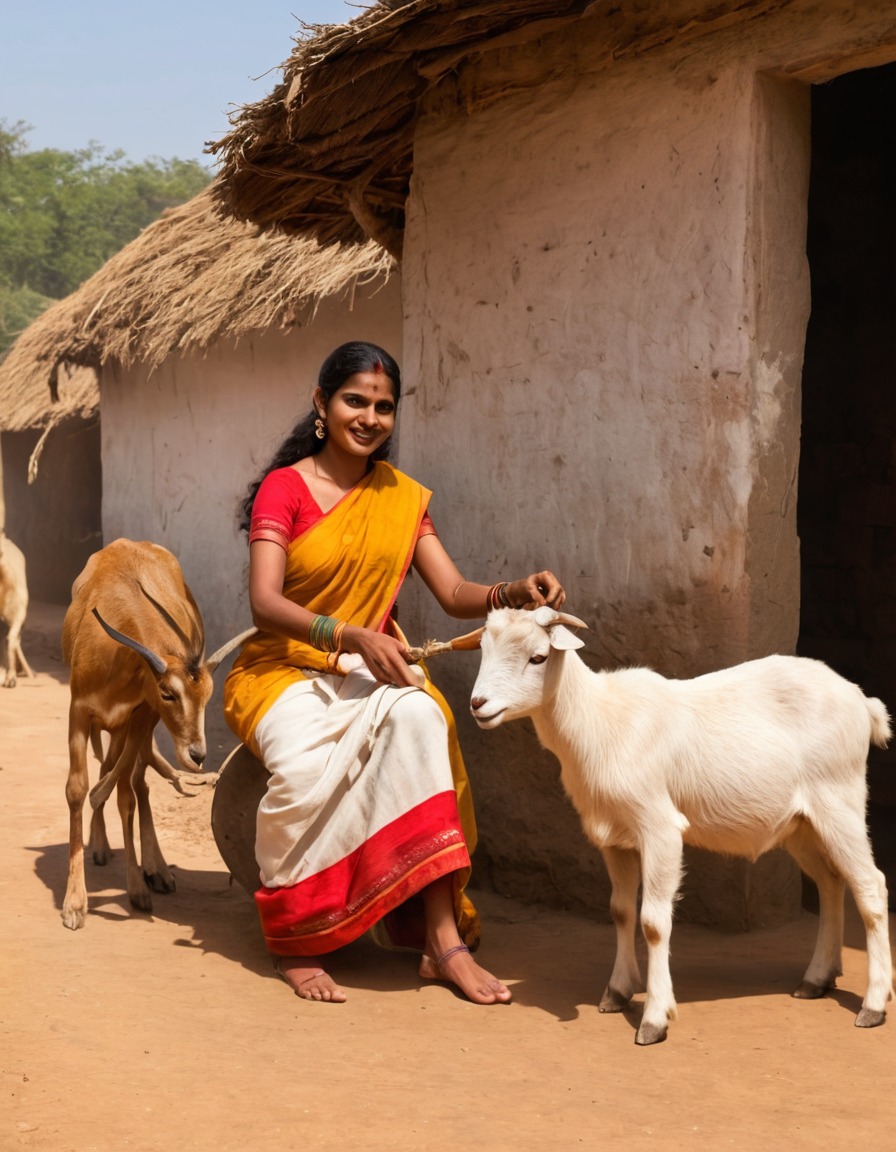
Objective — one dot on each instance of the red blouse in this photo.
(284, 508)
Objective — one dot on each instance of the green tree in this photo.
(63, 214)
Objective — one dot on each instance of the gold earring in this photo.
(320, 428)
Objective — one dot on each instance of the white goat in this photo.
(13, 607)
(123, 682)
(769, 753)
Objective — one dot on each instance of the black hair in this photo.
(343, 362)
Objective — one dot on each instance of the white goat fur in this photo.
(13, 608)
(770, 753)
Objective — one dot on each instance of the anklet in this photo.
(451, 952)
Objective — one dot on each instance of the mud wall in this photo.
(607, 297)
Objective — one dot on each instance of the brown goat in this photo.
(134, 639)
(13, 607)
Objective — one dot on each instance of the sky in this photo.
(152, 79)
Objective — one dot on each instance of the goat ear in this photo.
(562, 638)
(557, 625)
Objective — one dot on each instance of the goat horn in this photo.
(571, 621)
(216, 657)
(155, 662)
(189, 645)
(547, 616)
(466, 643)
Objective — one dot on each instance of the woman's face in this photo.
(361, 414)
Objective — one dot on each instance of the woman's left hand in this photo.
(535, 590)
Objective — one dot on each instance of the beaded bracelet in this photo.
(325, 632)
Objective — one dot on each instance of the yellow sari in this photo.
(351, 564)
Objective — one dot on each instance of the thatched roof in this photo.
(330, 152)
(189, 280)
(25, 394)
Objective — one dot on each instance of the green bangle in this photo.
(322, 633)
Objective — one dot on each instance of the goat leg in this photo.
(99, 841)
(139, 728)
(624, 869)
(17, 653)
(171, 774)
(155, 869)
(141, 721)
(74, 906)
(661, 863)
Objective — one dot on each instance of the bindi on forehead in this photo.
(374, 384)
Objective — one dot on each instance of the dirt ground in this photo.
(170, 1031)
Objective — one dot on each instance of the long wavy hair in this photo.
(343, 362)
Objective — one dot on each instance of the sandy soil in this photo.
(170, 1031)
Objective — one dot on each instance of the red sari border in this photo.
(340, 903)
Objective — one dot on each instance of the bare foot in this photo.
(307, 979)
(458, 966)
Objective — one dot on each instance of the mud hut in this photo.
(50, 475)
(626, 234)
(205, 336)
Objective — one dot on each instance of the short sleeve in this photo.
(427, 528)
(276, 508)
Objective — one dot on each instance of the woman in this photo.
(367, 817)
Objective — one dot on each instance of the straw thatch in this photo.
(329, 153)
(189, 279)
(27, 387)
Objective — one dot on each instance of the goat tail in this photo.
(880, 722)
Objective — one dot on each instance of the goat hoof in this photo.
(810, 991)
(651, 1034)
(101, 857)
(613, 1001)
(142, 901)
(870, 1018)
(160, 883)
(73, 918)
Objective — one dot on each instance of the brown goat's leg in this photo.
(99, 841)
(74, 906)
(139, 725)
(138, 728)
(174, 776)
(156, 872)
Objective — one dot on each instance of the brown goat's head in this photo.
(178, 689)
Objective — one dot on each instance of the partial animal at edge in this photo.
(13, 608)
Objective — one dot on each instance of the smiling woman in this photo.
(367, 819)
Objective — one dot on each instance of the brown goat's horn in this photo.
(155, 662)
(216, 657)
(190, 646)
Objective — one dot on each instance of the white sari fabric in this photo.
(360, 810)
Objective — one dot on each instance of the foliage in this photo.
(63, 214)
(18, 307)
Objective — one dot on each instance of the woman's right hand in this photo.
(386, 657)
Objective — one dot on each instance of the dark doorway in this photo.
(847, 482)
(56, 520)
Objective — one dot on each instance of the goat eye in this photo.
(168, 696)
(537, 659)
